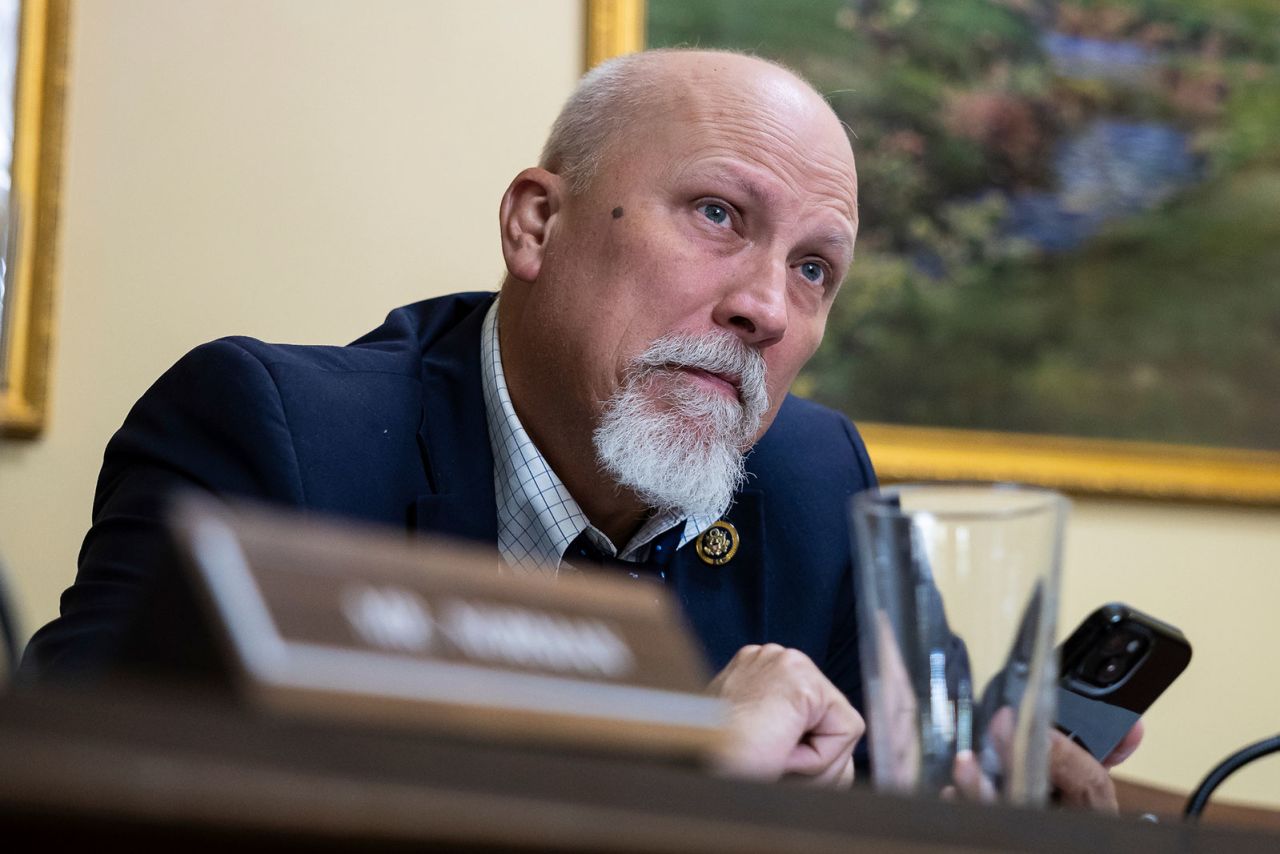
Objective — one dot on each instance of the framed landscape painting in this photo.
(1068, 265)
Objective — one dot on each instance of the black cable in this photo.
(1224, 769)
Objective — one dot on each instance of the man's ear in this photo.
(528, 208)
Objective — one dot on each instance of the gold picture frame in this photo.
(1085, 466)
(26, 333)
(614, 27)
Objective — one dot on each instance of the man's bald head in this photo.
(614, 98)
(689, 225)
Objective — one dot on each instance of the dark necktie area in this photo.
(583, 553)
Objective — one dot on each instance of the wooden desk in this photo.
(1138, 798)
(198, 773)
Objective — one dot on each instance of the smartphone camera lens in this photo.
(1110, 670)
(1114, 656)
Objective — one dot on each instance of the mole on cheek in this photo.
(617, 212)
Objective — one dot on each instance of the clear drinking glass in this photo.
(958, 599)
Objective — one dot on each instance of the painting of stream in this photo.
(1070, 210)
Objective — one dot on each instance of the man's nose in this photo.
(754, 306)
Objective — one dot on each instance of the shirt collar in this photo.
(537, 517)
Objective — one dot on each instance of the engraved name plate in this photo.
(330, 619)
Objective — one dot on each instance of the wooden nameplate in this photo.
(367, 624)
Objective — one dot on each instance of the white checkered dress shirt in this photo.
(537, 517)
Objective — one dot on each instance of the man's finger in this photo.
(828, 742)
(838, 775)
(1126, 747)
(1079, 778)
(969, 783)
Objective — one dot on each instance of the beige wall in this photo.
(290, 170)
(293, 169)
(1214, 572)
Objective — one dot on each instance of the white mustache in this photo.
(722, 354)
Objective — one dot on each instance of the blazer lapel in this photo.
(453, 437)
(729, 605)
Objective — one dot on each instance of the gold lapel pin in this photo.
(718, 544)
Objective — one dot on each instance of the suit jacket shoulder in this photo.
(327, 429)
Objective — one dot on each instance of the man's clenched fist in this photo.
(785, 718)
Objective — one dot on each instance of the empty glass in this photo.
(958, 598)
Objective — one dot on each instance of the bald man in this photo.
(624, 401)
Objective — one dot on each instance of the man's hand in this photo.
(1078, 780)
(785, 718)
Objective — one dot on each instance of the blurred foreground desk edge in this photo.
(159, 771)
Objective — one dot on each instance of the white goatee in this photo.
(667, 437)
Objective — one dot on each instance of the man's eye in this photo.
(813, 271)
(714, 212)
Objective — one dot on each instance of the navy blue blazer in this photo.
(391, 429)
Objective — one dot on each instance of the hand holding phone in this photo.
(1112, 668)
